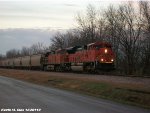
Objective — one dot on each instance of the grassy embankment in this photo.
(120, 93)
(105, 90)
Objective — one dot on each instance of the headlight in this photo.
(106, 51)
(112, 60)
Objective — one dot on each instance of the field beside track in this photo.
(130, 90)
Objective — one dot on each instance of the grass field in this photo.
(104, 90)
(129, 94)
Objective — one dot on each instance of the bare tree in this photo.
(37, 48)
(87, 25)
(64, 40)
(129, 30)
(25, 51)
(145, 10)
(2, 56)
(58, 41)
(13, 53)
(101, 29)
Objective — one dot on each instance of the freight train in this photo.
(89, 58)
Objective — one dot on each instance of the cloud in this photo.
(70, 5)
(17, 38)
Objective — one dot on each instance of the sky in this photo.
(26, 22)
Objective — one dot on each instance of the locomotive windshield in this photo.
(102, 46)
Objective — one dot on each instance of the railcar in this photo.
(35, 61)
(25, 62)
(17, 63)
(1, 64)
(10, 63)
(5, 63)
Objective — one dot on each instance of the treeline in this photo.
(25, 51)
(126, 27)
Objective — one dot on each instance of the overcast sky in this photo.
(25, 22)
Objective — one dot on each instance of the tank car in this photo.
(25, 62)
(1, 63)
(17, 63)
(35, 61)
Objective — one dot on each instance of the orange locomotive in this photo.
(91, 57)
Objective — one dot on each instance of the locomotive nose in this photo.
(105, 59)
(106, 55)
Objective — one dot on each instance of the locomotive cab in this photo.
(104, 55)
